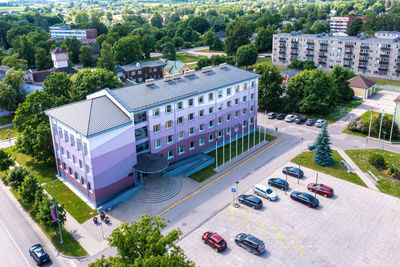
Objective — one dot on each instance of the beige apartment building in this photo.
(371, 57)
(340, 24)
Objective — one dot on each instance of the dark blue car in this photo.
(251, 201)
(293, 171)
(305, 198)
(278, 183)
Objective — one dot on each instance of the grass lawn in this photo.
(386, 184)
(6, 119)
(151, 59)
(46, 172)
(386, 82)
(4, 132)
(11, 8)
(207, 172)
(192, 66)
(209, 51)
(186, 57)
(339, 111)
(366, 116)
(338, 169)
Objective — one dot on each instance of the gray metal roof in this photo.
(337, 38)
(140, 65)
(90, 116)
(141, 96)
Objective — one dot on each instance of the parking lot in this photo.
(357, 227)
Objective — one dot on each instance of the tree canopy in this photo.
(11, 91)
(237, 33)
(270, 89)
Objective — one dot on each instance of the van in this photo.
(265, 192)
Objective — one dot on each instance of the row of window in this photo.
(72, 158)
(69, 138)
(75, 175)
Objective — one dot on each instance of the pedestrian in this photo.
(276, 129)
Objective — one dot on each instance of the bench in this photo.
(373, 176)
(349, 169)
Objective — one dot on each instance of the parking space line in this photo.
(262, 228)
(216, 179)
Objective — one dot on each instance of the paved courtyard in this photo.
(357, 227)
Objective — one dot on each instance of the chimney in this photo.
(176, 76)
(206, 69)
(167, 78)
(188, 73)
(149, 82)
(223, 65)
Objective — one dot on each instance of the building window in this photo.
(191, 116)
(228, 104)
(228, 117)
(170, 139)
(236, 101)
(142, 147)
(157, 128)
(62, 150)
(191, 145)
(79, 143)
(228, 131)
(60, 132)
(70, 170)
(80, 164)
(190, 102)
(157, 143)
(251, 121)
(64, 166)
(68, 155)
(219, 120)
(66, 136)
(210, 96)
(55, 130)
(141, 133)
(140, 117)
(237, 89)
(252, 96)
(201, 127)
(76, 176)
(82, 180)
(85, 149)
(181, 149)
(252, 109)
(180, 105)
(57, 148)
(168, 109)
(244, 86)
(236, 114)
(219, 107)
(210, 110)
(181, 135)
(168, 124)
(210, 124)
(87, 169)
(219, 133)
(180, 120)
(72, 140)
(228, 91)
(191, 130)
(211, 138)
(244, 111)
(244, 124)
(201, 141)
(156, 112)
(244, 98)
(170, 154)
(252, 84)
(201, 113)
(89, 186)
(201, 100)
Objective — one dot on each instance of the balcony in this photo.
(282, 41)
(321, 62)
(349, 46)
(397, 71)
(346, 65)
(385, 56)
(383, 62)
(362, 67)
(282, 57)
(309, 49)
(363, 60)
(294, 57)
(322, 56)
(364, 47)
(282, 51)
(348, 52)
(294, 53)
(364, 54)
(385, 48)
(310, 42)
(308, 54)
(323, 44)
(295, 42)
(282, 46)
(323, 49)
(383, 68)
(294, 47)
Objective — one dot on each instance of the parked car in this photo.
(278, 183)
(311, 146)
(304, 198)
(251, 201)
(214, 240)
(320, 123)
(300, 120)
(271, 115)
(39, 254)
(310, 122)
(321, 189)
(265, 191)
(281, 116)
(250, 243)
(293, 171)
(290, 118)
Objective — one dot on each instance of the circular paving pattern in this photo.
(158, 188)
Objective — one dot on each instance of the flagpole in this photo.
(259, 135)
(391, 128)
(265, 127)
(242, 138)
(236, 133)
(380, 127)
(369, 130)
(230, 144)
(254, 136)
(248, 134)
(216, 152)
(223, 147)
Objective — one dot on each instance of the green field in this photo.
(386, 82)
(338, 169)
(186, 57)
(11, 8)
(209, 51)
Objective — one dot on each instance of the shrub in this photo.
(377, 160)
(16, 176)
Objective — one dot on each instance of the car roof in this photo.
(253, 239)
(217, 237)
(308, 195)
(39, 251)
(253, 198)
(261, 186)
(324, 186)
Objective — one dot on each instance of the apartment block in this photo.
(85, 36)
(100, 141)
(141, 71)
(372, 57)
(340, 24)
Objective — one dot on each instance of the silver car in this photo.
(320, 123)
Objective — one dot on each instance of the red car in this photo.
(321, 189)
(214, 240)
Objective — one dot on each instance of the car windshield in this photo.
(269, 191)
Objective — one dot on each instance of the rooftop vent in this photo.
(206, 69)
(149, 82)
(138, 65)
(176, 76)
(188, 73)
(167, 78)
(223, 65)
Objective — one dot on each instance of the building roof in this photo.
(142, 96)
(150, 163)
(361, 82)
(140, 65)
(58, 50)
(174, 66)
(290, 72)
(90, 116)
(40, 76)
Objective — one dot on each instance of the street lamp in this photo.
(237, 192)
(55, 204)
(383, 141)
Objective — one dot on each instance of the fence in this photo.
(387, 87)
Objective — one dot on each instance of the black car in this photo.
(281, 116)
(305, 198)
(300, 120)
(250, 243)
(271, 115)
(38, 253)
(293, 171)
(251, 201)
(278, 183)
(310, 122)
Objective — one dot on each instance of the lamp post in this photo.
(383, 141)
(236, 199)
(55, 204)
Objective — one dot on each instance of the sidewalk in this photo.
(366, 179)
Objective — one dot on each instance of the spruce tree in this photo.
(323, 151)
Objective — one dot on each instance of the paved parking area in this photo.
(357, 227)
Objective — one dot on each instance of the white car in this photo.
(320, 123)
(290, 118)
(265, 192)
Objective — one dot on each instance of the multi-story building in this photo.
(85, 36)
(372, 57)
(100, 141)
(141, 71)
(340, 24)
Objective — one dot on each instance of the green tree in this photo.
(6, 161)
(106, 59)
(57, 84)
(199, 24)
(209, 38)
(16, 176)
(319, 27)
(323, 151)
(85, 56)
(355, 27)
(109, 16)
(237, 33)
(142, 243)
(156, 20)
(270, 89)
(73, 46)
(44, 214)
(178, 41)
(28, 188)
(11, 91)
(81, 17)
(288, 28)
(264, 39)
(127, 50)
(38, 199)
(42, 59)
(148, 44)
(340, 77)
(246, 55)
(13, 61)
(217, 45)
(87, 82)
(168, 50)
(203, 62)
(26, 50)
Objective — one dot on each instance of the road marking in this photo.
(15, 243)
(216, 179)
